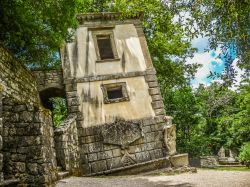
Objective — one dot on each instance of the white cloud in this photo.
(209, 63)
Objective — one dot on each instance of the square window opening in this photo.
(115, 93)
(105, 47)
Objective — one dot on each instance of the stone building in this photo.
(116, 122)
(112, 87)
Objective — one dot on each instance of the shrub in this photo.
(244, 155)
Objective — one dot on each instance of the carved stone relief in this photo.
(122, 133)
(170, 138)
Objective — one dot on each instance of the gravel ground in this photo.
(203, 178)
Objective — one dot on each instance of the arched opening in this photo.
(54, 99)
(47, 94)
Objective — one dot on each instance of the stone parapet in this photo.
(48, 78)
(66, 145)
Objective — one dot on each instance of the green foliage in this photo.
(223, 22)
(59, 112)
(245, 153)
(206, 118)
(35, 30)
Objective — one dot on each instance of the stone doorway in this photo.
(52, 98)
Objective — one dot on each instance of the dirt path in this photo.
(203, 178)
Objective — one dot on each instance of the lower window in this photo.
(115, 92)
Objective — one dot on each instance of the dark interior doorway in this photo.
(48, 93)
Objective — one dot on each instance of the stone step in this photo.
(59, 168)
(63, 174)
(10, 182)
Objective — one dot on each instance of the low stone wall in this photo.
(66, 144)
(48, 78)
(28, 146)
(209, 161)
(100, 155)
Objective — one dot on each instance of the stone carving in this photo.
(169, 138)
(121, 132)
(222, 153)
(127, 158)
(232, 156)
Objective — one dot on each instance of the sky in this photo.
(210, 62)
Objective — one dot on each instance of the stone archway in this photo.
(48, 93)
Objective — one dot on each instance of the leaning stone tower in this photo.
(111, 86)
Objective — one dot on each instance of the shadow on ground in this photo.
(119, 182)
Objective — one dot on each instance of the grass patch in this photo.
(231, 169)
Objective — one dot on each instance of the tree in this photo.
(35, 30)
(225, 22)
(245, 154)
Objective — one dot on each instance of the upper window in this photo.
(104, 45)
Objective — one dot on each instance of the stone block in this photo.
(149, 78)
(150, 71)
(101, 156)
(109, 154)
(98, 166)
(150, 137)
(114, 163)
(156, 97)
(160, 111)
(71, 94)
(116, 152)
(95, 147)
(158, 153)
(73, 109)
(150, 146)
(152, 154)
(146, 129)
(89, 139)
(159, 119)
(147, 122)
(26, 116)
(20, 166)
(142, 156)
(154, 91)
(179, 160)
(209, 161)
(153, 84)
(92, 157)
(158, 105)
(32, 168)
(20, 108)
(158, 144)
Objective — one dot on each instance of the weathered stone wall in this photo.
(48, 78)
(17, 80)
(1, 139)
(28, 145)
(209, 161)
(66, 144)
(100, 157)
